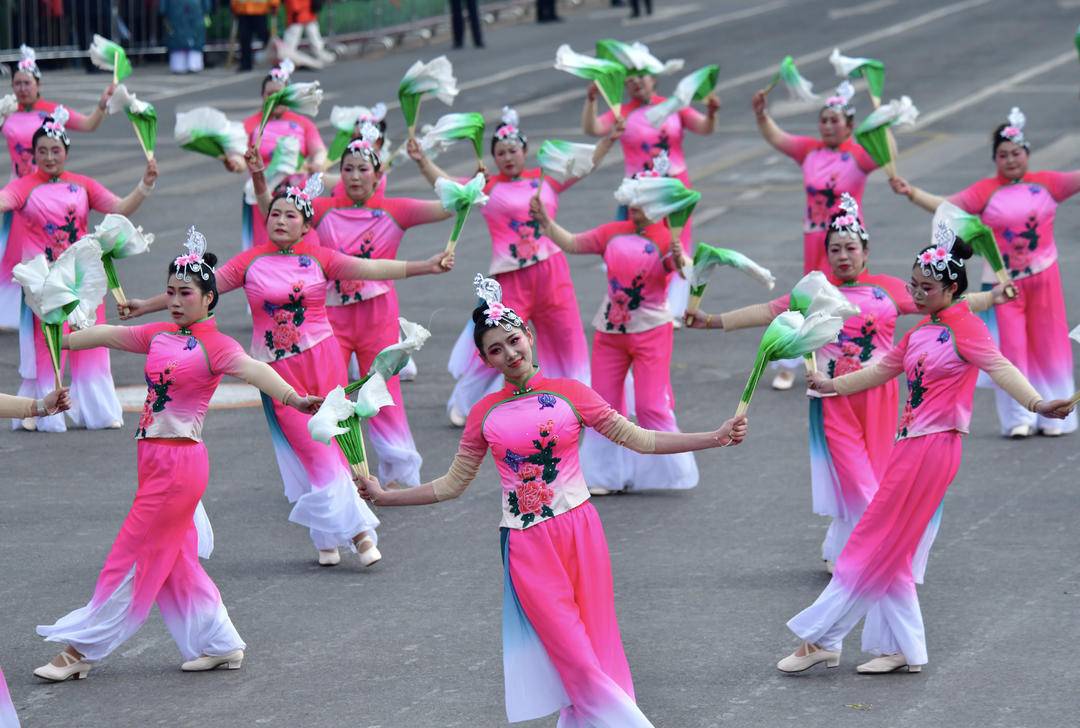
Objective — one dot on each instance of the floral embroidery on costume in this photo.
(526, 248)
(621, 301)
(351, 290)
(157, 395)
(916, 392)
(855, 350)
(62, 236)
(821, 204)
(547, 401)
(1019, 247)
(533, 495)
(284, 337)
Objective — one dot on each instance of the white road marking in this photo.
(861, 9)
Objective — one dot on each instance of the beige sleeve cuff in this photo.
(462, 472)
(623, 432)
(381, 269)
(1015, 384)
(743, 318)
(16, 407)
(980, 301)
(863, 379)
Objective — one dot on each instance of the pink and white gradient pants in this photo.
(155, 559)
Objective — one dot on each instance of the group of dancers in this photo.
(319, 276)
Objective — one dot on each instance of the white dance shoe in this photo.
(885, 664)
(72, 669)
(1020, 431)
(597, 490)
(797, 663)
(231, 661)
(368, 554)
(830, 566)
(329, 557)
(1051, 432)
(784, 380)
(457, 418)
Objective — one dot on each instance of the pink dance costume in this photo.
(827, 174)
(290, 124)
(562, 650)
(53, 214)
(941, 358)
(1033, 329)
(633, 329)
(364, 314)
(154, 558)
(8, 717)
(286, 291)
(535, 280)
(641, 142)
(18, 130)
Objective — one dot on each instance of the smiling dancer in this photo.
(941, 358)
(286, 282)
(154, 559)
(54, 207)
(561, 644)
(532, 271)
(1020, 207)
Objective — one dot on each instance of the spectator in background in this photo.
(635, 8)
(251, 21)
(545, 12)
(185, 33)
(457, 23)
(301, 19)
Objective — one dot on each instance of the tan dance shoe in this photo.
(784, 380)
(1019, 432)
(457, 417)
(1051, 431)
(329, 557)
(366, 550)
(798, 663)
(231, 661)
(885, 664)
(72, 669)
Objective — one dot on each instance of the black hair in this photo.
(954, 273)
(848, 113)
(829, 230)
(480, 326)
(997, 140)
(209, 285)
(375, 161)
(283, 194)
(267, 79)
(41, 132)
(495, 140)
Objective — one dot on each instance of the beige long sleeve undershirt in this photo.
(16, 407)
(759, 314)
(263, 377)
(384, 269)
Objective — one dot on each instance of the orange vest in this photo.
(254, 7)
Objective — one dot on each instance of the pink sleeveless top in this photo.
(183, 368)
(55, 210)
(828, 173)
(533, 435)
(516, 241)
(1021, 214)
(19, 130)
(286, 290)
(636, 296)
(370, 230)
(641, 141)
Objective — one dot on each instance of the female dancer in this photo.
(1020, 207)
(286, 281)
(633, 329)
(531, 269)
(851, 437)
(18, 129)
(561, 644)
(282, 123)
(642, 141)
(155, 556)
(54, 206)
(364, 314)
(831, 165)
(941, 358)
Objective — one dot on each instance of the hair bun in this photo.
(210, 259)
(479, 315)
(962, 249)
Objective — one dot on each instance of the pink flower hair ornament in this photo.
(509, 129)
(28, 62)
(937, 260)
(302, 197)
(365, 145)
(283, 71)
(55, 125)
(1014, 130)
(849, 222)
(841, 100)
(192, 261)
(497, 313)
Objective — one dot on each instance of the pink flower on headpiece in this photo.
(926, 258)
(940, 254)
(1011, 131)
(361, 147)
(836, 101)
(494, 313)
(185, 260)
(845, 220)
(27, 64)
(506, 130)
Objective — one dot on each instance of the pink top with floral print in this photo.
(865, 339)
(533, 435)
(637, 275)
(19, 130)
(827, 173)
(290, 124)
(516, 241)
(55, 209)
(370, 230)
(1021, 214)
(286, 290)
(183, 368)
(941, 358)
(641, 141)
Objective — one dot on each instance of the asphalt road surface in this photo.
(705, 579)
